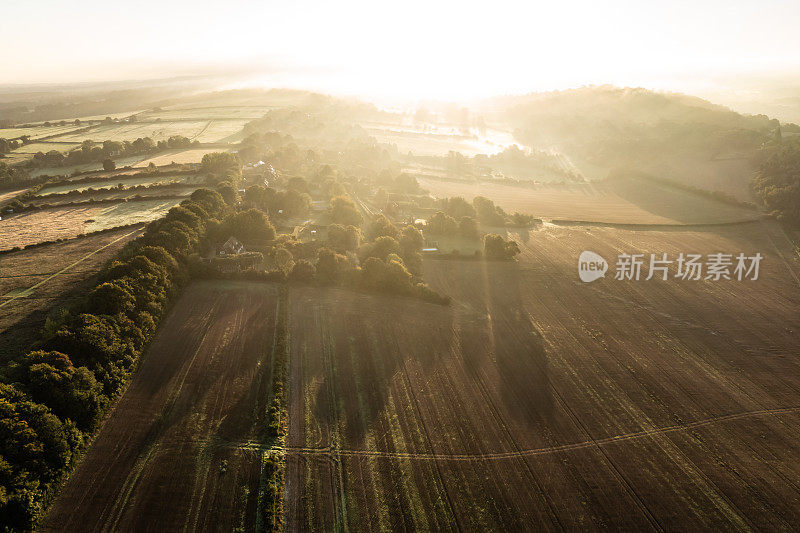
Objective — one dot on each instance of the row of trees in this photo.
(90, 151)
(441, 223)
(52, 398)
(485, 211)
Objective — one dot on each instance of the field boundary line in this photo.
(536, 451)
(30, 289)
(567, 223)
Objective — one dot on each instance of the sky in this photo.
(410, 49)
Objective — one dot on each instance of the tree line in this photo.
(53, 397)
(90, 151)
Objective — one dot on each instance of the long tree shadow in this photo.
(369, 342)
(506, 337)
(684, 207)
(366, 342)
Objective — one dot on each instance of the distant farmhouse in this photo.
(230, 247)
(232, 257)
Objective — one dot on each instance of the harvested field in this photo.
(22, 229)
(182, 448)
(618, 201)
(40, 280)
(731, 175)
(131, 212)
(539, 402)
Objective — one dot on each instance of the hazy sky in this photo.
(412, 48)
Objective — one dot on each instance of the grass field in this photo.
(37, 132)
(180, 157)
(50, 224)
(187, 112)
(21, 229)
(25, 153)
(130, 132)
(227, 131)
(115, 194)
(86, 167)
(56, 272)
(45, 147)
(538, 402)
(196, 404)
(103, 117)
(131, 212)
(618, 201)
(110, 182)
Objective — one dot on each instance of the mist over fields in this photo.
(358, 266)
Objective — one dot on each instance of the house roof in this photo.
(232, 241)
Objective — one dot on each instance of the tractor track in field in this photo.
(299, 450)
(328, 450)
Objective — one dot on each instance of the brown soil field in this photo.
(539, 402)
(58, 272)
(198, 399)
(618, 201)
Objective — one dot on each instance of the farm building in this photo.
(230, 247)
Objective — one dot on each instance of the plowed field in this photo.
(182, 450)
(539, 402)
